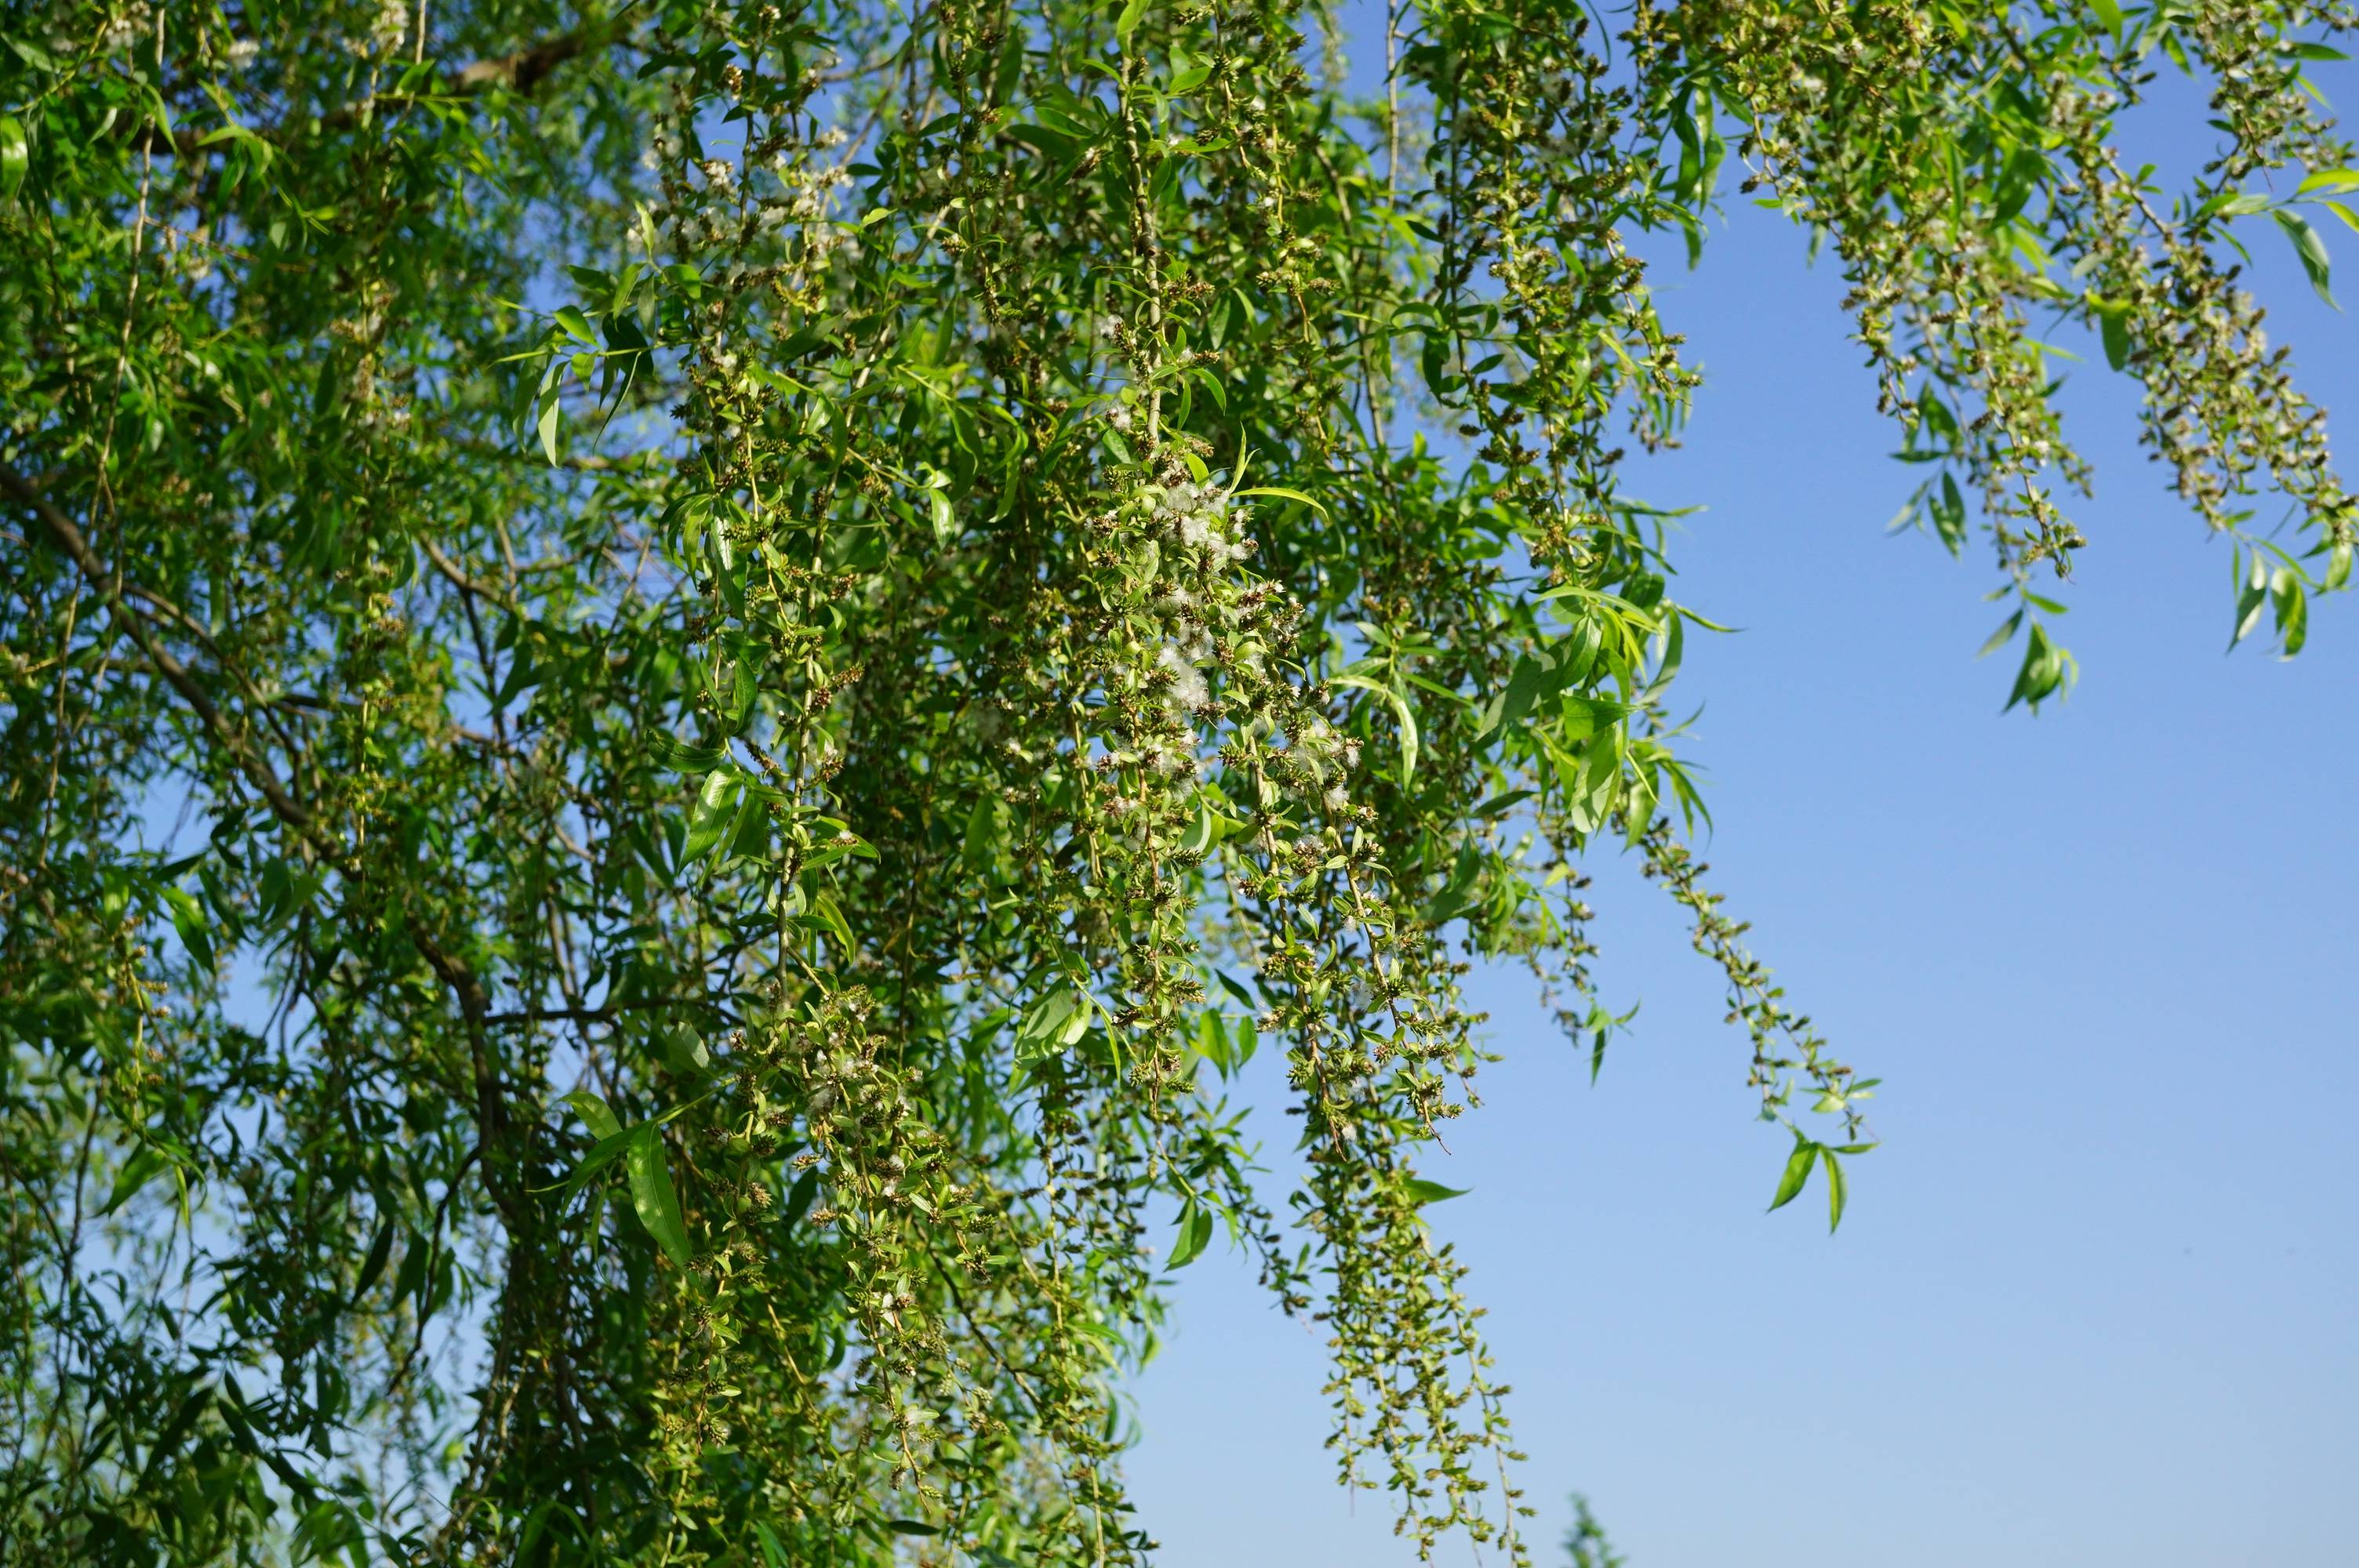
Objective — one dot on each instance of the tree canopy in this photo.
(683, 680)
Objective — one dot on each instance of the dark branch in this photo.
(603, 1014)
(521, 72)
(131, 623)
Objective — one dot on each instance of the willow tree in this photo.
(684, 679)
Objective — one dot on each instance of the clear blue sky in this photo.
(2094, 1302)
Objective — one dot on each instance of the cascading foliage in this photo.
(683, 680)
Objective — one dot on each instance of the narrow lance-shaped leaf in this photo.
(1797, 1172)
(15, 157)
(1195, 1231)
(2310, 248)
(652, 1195)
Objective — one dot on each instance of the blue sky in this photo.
(2096, 1298)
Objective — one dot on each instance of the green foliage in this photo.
(1585, 1546)
(684, 682)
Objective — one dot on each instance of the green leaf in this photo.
(1195, 1231)
(547, 425)
(652, 1195)
(1798, 1173)
(1949, 511)
(1588, 716)
(709, 819)
(1283, 494)
(189, 920)
(1056, 1021)
(828, 916)
(682, 757)
(685, 1054)
(1501, 804)
(603, 1153)
(1127, 23)
(595, 1114)
(1458, 896)
(2046, 670)
(2116, 334)
(2309, 247)
(373, 1266)
(773, 1551)
(576, 324)
(2293, 602)
(1400, 712)
(979, 851)
(2242, 204)
(1047, 1016)
(2112, 326)
(2249, 605)
(1425, 1192)
(1998, 639)
(1202, 833)
(137, 1173)
(1212, 1040)
(32, 54)
(748, 834)
(799, 1198)
(1834, 1188)
(15, 156)
(1525, 683)
(2329, 182)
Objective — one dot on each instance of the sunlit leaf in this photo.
(1195, 1231)
(2309, 247)
(1797, 1172)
